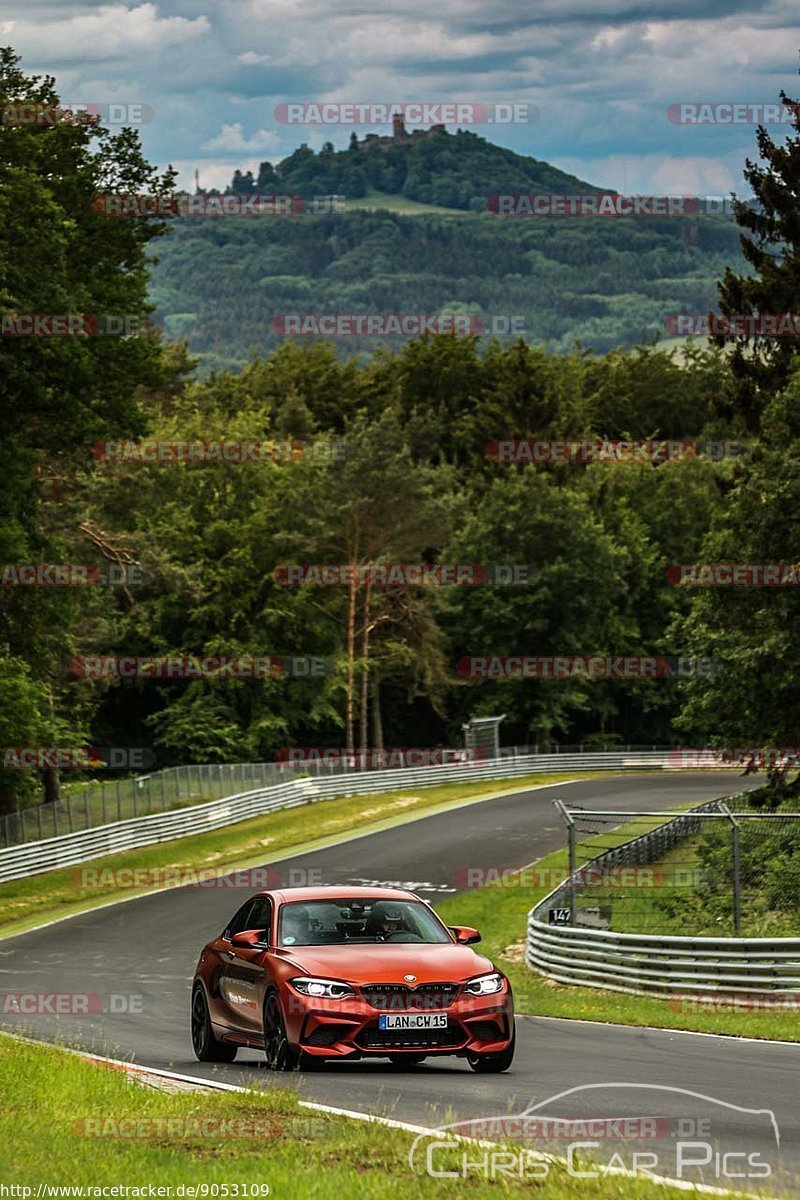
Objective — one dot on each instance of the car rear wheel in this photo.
(280, 1055)
(207, 1048)
(490, 1064)
(406, 1060)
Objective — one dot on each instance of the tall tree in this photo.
(59, 394)
(771, 246)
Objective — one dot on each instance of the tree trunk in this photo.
(351, 654)
(377, 716)
(51, 780)
(364, 699)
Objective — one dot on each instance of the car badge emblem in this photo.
(410, 978)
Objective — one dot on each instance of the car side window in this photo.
(260, 916)
(240, 921)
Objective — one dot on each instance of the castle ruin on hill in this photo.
(399, 137)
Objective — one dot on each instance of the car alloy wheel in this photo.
(280, 1055)
(206, 1047)
(490, 1064)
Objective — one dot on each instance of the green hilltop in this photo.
(449, 170)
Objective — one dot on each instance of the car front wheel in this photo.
(490, 1064)
(280, 1055)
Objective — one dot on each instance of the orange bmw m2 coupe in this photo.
(308, 974)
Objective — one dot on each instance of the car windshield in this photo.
(346, 921)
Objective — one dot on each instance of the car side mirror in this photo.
(250, 939)
(465, 935)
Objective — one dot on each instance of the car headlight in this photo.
(485, 985)
(324, 989)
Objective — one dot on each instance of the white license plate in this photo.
(413, 1021)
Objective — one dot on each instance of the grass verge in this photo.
(49, 1130)
(27, 902)
(500, 911)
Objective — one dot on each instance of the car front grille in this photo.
(397, 997)
(373, 1038)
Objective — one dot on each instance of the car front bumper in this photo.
(350, 1028)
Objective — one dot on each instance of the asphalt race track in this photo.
(148, 948)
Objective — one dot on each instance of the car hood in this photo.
(383, 963)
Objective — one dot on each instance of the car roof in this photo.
(336, 891)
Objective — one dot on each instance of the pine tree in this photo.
(761, 364)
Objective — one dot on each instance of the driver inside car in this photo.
(383, 921)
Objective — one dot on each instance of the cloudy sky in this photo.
(601, 74)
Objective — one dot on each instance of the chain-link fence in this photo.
(102, 801)
(99, 802)
(720, 869)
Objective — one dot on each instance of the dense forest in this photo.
(389, 465)
(559, 281)
(221, 282)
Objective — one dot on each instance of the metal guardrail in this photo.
(664, 965)
(33, 858)
(100, 800)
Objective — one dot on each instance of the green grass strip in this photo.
(61, 1118)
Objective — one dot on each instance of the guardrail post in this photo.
(737, 883)
(572, 869)
(572, 860)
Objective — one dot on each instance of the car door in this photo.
(242, 972)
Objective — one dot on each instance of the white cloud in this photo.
(110, 32)
(658, 174)
(602, 72)
(231, 139)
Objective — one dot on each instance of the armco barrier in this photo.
(662, 965)
(32, 858)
